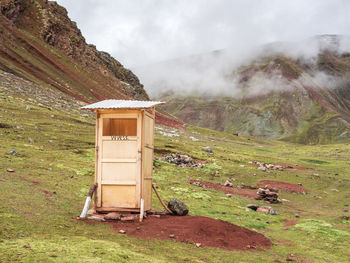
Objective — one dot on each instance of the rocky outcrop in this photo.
(40, 43)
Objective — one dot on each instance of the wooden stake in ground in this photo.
(88, 201)
(142, 209)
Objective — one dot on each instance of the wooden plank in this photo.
(139, 160)
(117, 209)
(99, 170)
(118, 182)
(120, 149)
(119, 196)
(96, 156)
(119, 160)
(110, 138)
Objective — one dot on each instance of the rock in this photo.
(96, 218)
(112, 216)
(285, 200)
(297, 215)
(10, 170)
(207, 149)
(228, 195)
(253, 206)
(263, 210)
(30, 140)
(156, 216)
(177, 207)
(334, 190)
(129, 218)
(262, 168)
(121, 231)
(228, 183)
(13, 153)
(273, 212)
(198, 244)
(172, 236)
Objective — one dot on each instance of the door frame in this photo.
(99, 150)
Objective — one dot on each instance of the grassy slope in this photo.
(40, 227)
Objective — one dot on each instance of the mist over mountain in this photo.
(292, 91)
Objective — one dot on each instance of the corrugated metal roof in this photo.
(122, 104)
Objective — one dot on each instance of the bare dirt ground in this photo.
(199, 230)
(283, 186)
(250, 193)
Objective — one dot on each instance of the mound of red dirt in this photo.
(288, 187)
(201, 230)
(250, 193)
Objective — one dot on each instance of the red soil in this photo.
(195, 229)
(250, 193)
(290, 222)
(288, 187)
(162, 119)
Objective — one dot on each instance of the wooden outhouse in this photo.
(124, 154)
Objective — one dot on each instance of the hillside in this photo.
(47, 166)
(38, 42)
(272, 96)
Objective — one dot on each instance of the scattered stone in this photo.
(291, 257)
(262, 168)
(228, 195)
(334, 190)
(194, 139)
(269, 195)
(121, 231)
(316, 175)
(300, 184)
(13, 153)
(253, 206)
(96, 217)
(172, 236)
(207, 149)
(177, 207)
(273, 212)
(129, 218)
(346, 204)
(112, 216)
(181, 160)
(297, 215)
(10, 170)
(263, 210)
(155, 212)
(156, 216)
(285, 200)
(198, 244)
(228, 183)
(138, 228)
(30, 140)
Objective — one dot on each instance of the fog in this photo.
(144, 35)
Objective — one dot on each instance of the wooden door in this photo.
(119, 161)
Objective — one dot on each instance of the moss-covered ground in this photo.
(53, 167)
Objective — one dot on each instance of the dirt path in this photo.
(283, 186)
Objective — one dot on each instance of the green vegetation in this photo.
(54, 166)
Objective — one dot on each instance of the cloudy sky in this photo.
(141, 32)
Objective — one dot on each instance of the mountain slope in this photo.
(273, 96)
(40, 43)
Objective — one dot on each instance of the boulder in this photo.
(207, 149)
(253, 206)
(177, 207)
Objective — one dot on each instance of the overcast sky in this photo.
(141, 32)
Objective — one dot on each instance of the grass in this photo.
(55, 165)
